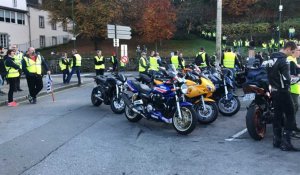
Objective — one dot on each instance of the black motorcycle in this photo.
(228, 102)
(260, 111)
(108, 90)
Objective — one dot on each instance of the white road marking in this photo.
(237, 135)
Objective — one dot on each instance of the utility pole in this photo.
(73, 19)
(219, 32)
(279, 26)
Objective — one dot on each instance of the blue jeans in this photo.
(1, 82)
(77, 70)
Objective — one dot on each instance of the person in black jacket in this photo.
(12, 75)
(280, 80)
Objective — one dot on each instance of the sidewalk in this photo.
(57, 85)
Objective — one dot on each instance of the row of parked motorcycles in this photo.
(181, 98)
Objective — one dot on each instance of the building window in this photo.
(53, 25)
(15, 3)
(41, 22)
(54, 40)
(1, 15)
(42, 41)
(7, 16)
(21, 18)
(13, 17)
(65, 27)
(65, 40)
(4, 40)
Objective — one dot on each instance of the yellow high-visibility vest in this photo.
(203, 56)
(295, 88)
(229, 59)
(153, 63)
(101, 66)
(78, 60)
(62, 65)
(141, 68)
(12, 72)
(264, 45)
(34, 66)
(174, 61)
(18, 58)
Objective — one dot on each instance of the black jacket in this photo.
(279, 72)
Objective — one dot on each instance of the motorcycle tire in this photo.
(188, 115)
(222, 109)
(208, 116)
(256, 129)
(132, 116)
(94, 99)
(114, 105)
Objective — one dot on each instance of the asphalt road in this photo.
(70, 136)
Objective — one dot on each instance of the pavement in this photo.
(57, 85)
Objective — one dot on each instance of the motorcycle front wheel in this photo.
(117, 105)
(255, 126)
(96, 93)
(207, 115)
(188, 122)
(229, 107)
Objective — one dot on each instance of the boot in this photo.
(286, 144)
(277, 132)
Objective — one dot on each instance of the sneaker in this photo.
(20, 90)
(29, 98)
(12, 104)
(33, 100)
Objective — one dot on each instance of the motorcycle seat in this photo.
(144, 89)
(102, 79)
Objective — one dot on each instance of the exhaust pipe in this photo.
(130, 105)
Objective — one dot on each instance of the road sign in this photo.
(116, 42)
(120, 32)
(124, 59)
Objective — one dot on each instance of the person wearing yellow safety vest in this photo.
(18, 58)
(202, 59)
(295, 71)
(154, 65)
(76, 65)
(99, 63)
(177, 61)
(114, 61)
(247, 43)
(143, 64)
(230, 60)
(12, 74)
(64, 64)
(32, 64)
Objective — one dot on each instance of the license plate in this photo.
(249, 97)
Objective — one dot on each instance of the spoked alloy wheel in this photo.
(117, 105)
(208, 115)
(131, 115)
(255, 126)
(188, 122)
(229, 107)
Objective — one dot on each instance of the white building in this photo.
(25, 24)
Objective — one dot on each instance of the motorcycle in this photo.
(200, 94)
(164, 102)
(260, 111)
(228, 102)
(108, 90)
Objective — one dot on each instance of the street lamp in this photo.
(73, 19)
(280, 10)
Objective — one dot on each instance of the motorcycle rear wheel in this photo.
(188, 122)
(131, 115)
(256, 129)
(94, 99)
(209, 115)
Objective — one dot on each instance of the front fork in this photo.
(203, 103)
(225, 88)
(177, 102)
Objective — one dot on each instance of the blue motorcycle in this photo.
(164, 103)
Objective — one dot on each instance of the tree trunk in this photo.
(95, 40)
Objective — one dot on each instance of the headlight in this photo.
(210, 88)
(184, 88)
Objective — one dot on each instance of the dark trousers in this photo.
(99, 72)
(66, 73)
(77, 70)
(12, 86)
(283, 106)
(295, 101)
(35, 84)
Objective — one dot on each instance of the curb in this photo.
(23, 98)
